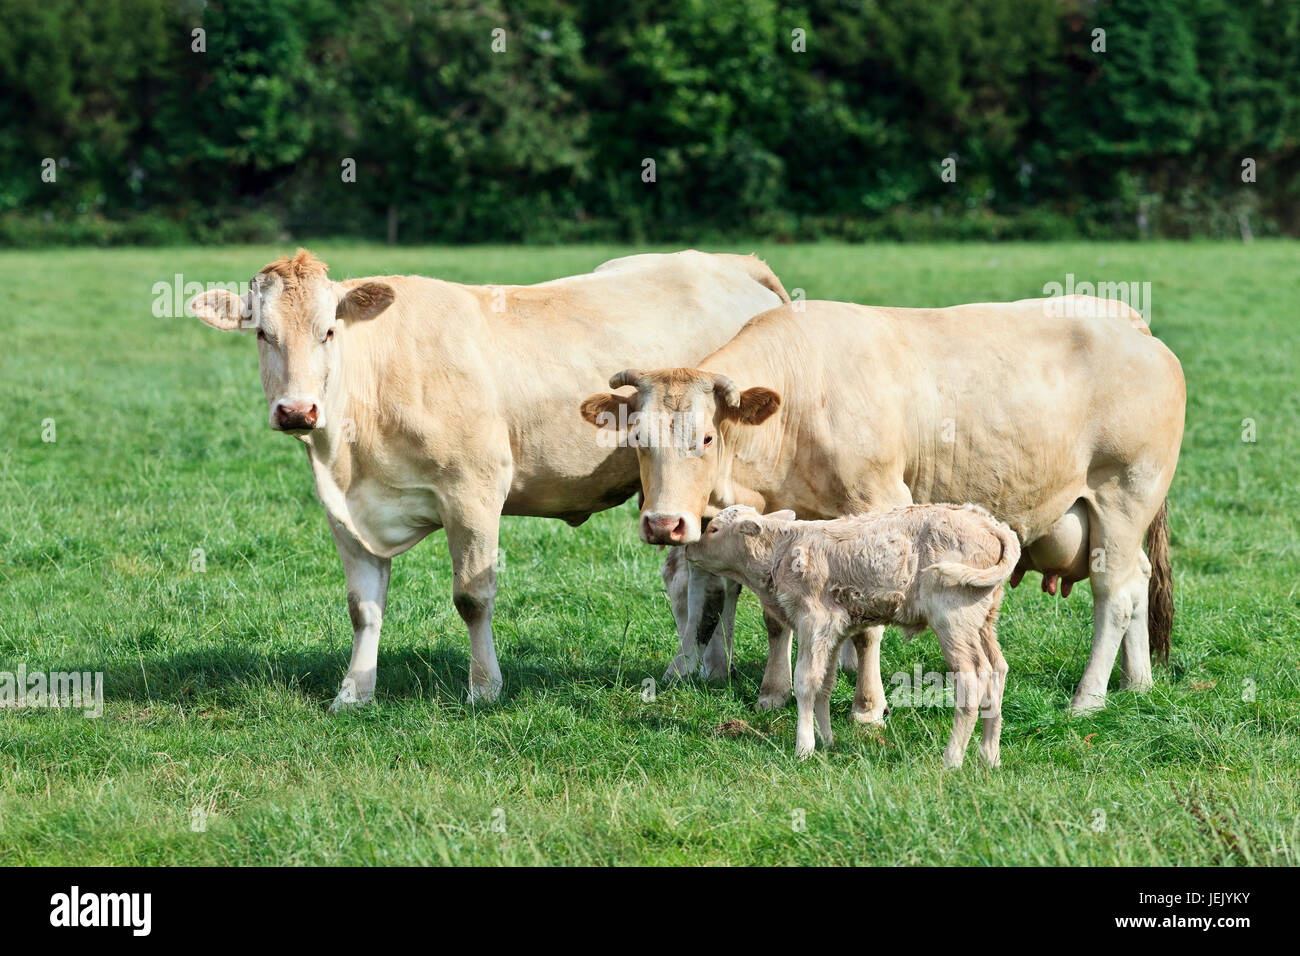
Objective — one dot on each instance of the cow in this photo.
(425, 404)
(1061, 416)
(918, 566)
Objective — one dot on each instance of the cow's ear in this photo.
(756, 406)
(608, 411)
(749, 527)
(784, 515)
(219, 308)
(365, 301)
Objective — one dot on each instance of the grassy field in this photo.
(217, 680)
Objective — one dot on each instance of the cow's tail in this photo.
(760, 272)
(956, 573)
(1160, 589)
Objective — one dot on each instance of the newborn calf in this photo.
(941, 566)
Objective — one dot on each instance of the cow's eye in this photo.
(708, 439)
(329, 336)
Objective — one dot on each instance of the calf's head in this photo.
(679, 420)
(301, 320)
(733, 544)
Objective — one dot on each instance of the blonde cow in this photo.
(425, 404)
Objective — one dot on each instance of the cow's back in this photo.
(1007, 405)
(457, 377)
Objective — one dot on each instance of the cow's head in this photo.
(301, 319)
(679, 421)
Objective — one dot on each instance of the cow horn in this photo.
(628, 376)
(727, 389)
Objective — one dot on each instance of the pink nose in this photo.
(664, 529)
(290, 416)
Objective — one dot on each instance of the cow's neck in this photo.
(756, 456)
(333, 451)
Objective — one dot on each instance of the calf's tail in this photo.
(1160, 589)
(954, 572)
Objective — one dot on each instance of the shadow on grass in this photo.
(227, 677)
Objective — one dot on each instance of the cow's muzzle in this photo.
(296, 416)
(660, 528)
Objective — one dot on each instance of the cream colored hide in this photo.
(1062, 417)
(425, 404)
(919, 566)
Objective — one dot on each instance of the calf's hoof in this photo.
(350, 696)
(951, 760)
(992, 760)
(1138, 685)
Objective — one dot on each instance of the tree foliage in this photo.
(813, 118)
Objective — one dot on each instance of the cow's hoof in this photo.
(1087, 703)
(350, 697)
(871, 718)
(952, 761)
(679, 670)
(772, 701)
(486, 693)
(1139, 685)
(722, 673)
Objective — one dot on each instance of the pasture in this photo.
(169, 539)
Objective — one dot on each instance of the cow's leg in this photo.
(705, 599)
(1117, 585)
(472, 539)
(1136, 649)
(869, 693)
(720, 652)
(367, 578)
(775, 692)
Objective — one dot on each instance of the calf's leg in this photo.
(960, 643)
(817, 647)
(995, 684)
(367, 579)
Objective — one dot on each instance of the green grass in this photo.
(217, 681)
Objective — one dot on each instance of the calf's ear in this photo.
(756, 406)
(784, 515)
(748, 527)
(608, 411)
(365, 301)
(219, 308)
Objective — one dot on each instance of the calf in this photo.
(941, 566)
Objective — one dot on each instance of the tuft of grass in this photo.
(216, 681)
